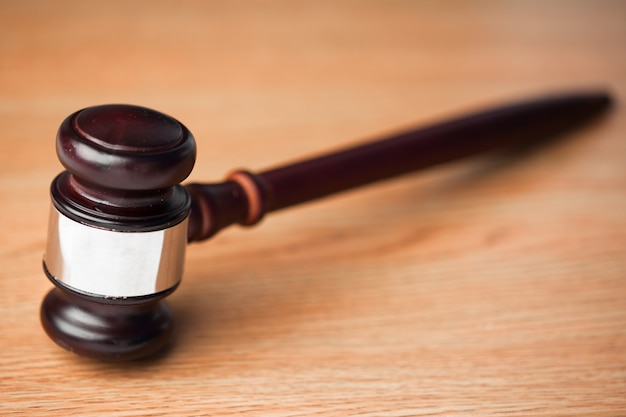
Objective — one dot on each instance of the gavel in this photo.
(120, 219)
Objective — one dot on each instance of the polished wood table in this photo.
(492, 287)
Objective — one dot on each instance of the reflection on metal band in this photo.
(111, 263)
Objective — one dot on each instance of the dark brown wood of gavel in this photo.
(120, 220)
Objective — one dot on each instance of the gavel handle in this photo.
(244, 197)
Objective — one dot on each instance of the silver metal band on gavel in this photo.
(114, 264)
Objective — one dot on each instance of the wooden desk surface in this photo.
(492, 287)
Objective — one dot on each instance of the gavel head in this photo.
(117, 231)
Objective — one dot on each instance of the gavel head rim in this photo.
(106, 330)
(92, 145)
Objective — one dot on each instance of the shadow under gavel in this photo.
(120, 220)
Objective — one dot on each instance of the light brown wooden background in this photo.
(493, 287)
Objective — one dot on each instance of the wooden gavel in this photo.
(120, 220)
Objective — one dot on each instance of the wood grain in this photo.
(492, 287)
